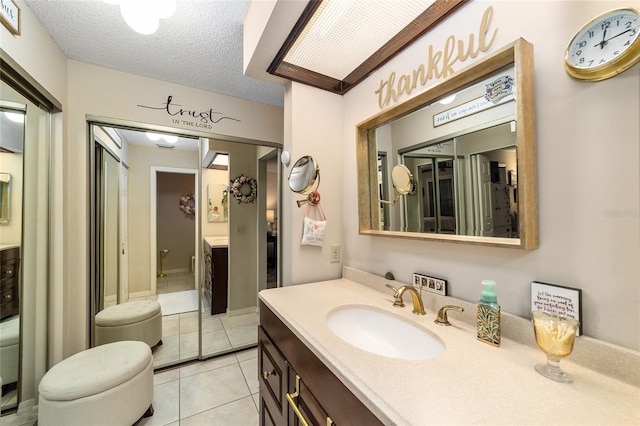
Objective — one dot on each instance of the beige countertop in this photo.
(471, 383)
(8, 246)
(217, 241)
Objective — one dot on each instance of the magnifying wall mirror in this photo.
(303, 175)
(402, 180)
(467, 147)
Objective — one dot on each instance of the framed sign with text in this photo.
(10, 16)
(555, 299)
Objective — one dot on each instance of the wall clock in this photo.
(605, 46)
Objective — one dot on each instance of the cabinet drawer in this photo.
(303, 406)
(272, 371)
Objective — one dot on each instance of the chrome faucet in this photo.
(418, 306)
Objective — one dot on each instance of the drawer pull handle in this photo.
(266, 374)
(8, 272)
(8, 296)
(291, 398)
(294, 406)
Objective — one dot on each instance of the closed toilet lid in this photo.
(127, 313)
(95, 370)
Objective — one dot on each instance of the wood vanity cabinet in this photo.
(287, 366)
(216, 272)
(9, 288)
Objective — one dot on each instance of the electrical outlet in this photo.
(432, 284)
(239, 229)
(335, 253)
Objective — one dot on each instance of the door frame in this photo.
(153, 237)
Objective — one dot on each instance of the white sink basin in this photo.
(383, 333)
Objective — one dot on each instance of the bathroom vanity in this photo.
(216, 271)
(9, 281)
(469, 383)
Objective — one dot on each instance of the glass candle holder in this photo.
(555, 335)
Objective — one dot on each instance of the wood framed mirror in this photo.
(470, 143)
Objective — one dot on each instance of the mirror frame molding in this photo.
(519, 54)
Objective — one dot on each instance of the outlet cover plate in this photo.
(429, 283)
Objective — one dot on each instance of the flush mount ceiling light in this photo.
(144, 15)
(337, 43)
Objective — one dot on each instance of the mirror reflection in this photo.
(178, 251)
(5, 197)
(303, 175)
(24, 245)
(217, 202)
(465, 142)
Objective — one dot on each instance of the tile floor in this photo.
(220, 333)
(222, 391)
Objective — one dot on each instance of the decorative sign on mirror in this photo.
(469, 143)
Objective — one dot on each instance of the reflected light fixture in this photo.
(144, 15)
(15, 117)
(220, 160)
(447, 100)
(156, 137)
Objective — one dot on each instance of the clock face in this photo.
(610, 43)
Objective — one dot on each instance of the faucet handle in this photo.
(398, 303)
(441, 318)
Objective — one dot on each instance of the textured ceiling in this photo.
(200, 46)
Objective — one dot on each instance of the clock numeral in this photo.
(605, 25)
(616, 53)
(627, 43)
(582, 44)
(628, 25)
(591, 62)
(581, 61)
(578, 52)
(591, 33)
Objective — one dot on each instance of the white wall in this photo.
(588, 178)
(316, 119)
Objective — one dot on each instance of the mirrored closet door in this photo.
(192, 225)
(24, 243)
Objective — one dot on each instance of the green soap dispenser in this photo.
(488, 315)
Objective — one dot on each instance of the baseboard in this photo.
(243, 311)
(176, 271)
(139, 294)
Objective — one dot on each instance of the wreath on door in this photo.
(188, 204)
(244, 189)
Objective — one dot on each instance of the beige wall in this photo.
(589, 221)
(117, 97)
(316, 119)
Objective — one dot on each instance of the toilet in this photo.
(138, 320)
(9, 349)
(111, 384)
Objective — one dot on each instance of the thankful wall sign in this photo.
(439, 63)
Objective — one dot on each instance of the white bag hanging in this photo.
(313, 230)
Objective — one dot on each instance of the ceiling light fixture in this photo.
(447, 100)
(156, 137)
(144, 15)
(15, 117)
